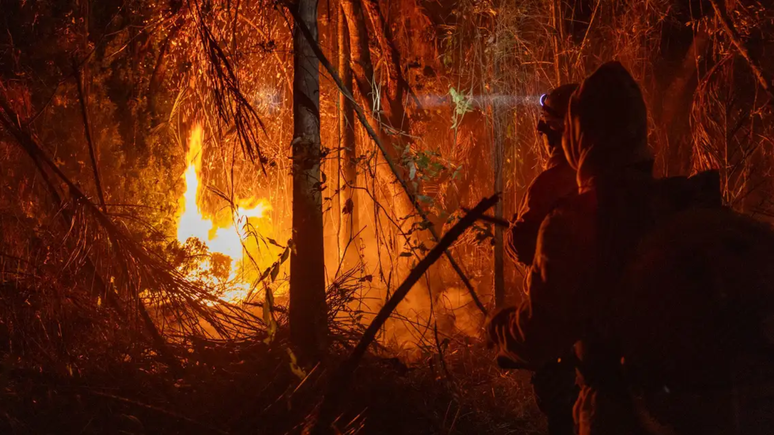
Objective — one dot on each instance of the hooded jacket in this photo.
(606, 128)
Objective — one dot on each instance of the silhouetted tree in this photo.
(308, 320)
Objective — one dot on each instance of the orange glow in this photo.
(228, 236)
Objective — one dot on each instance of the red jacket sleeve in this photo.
(551, 319)
(545, 192)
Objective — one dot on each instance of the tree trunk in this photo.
(389, 116)
(396, 85)
(497, 157)
(557, 39)
(350, 224)
(500, 120)
(308, 311)
(362, 67)
(676, 109)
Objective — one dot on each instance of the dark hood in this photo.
(606, 128)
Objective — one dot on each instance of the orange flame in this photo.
(228, 236)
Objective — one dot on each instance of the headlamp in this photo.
(543, 99)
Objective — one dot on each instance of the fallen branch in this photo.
(763, 78)
(343, 375)
(393, 167)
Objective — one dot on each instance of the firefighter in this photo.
(581, 250)
(557, 181)
(553, 384)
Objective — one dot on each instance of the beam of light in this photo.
(434, 101)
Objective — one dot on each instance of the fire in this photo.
(231, 236)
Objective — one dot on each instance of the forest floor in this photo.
(250, 388)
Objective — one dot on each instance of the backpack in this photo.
(697, 300)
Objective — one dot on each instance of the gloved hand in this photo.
(497, 335)
(497, 326)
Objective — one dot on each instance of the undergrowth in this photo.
(250, 388)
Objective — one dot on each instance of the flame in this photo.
(228, 236)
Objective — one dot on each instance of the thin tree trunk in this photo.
(557, 24)
(389, 114)
(362, 67)
(396, 85)
(676, 107)
(348, 168)
(499, 116)
(499, 152)
(308, 312)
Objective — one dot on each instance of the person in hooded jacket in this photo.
(554, 383)
(557, 181)
(583, 247)
(578, 256)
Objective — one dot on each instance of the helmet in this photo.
(555, 102)
(554, 108)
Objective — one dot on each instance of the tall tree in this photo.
(308, 311)
(500, 126)
(387, 106)
(498, 155)
(348, 168)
